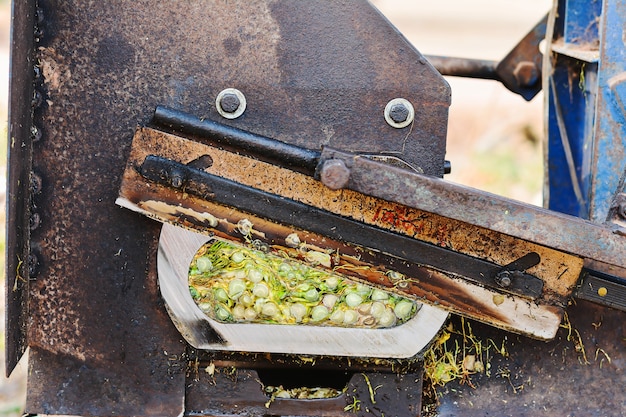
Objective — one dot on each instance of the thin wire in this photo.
(566, 146)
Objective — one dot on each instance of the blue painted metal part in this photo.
(586, 156)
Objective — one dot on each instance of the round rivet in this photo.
(335, 174)
(230, 103)
(602, 291)
(399, 113)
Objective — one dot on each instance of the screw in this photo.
(504, 279)
(335, 174)
(526, 73)
(35, 133)
(36, 184)
(230, 103)
(399, 113)
(37, 99)
(176, 179)
(33, 265)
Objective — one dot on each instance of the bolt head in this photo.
(230, 103)
(176, 179)
(335, 174)
(504, 279)
(399, 113)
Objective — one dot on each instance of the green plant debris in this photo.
(355, 406)
(372, 390)
(457, 359)
(299, 393)
(235, 284)
(573, 335)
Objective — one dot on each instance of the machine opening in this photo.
(304, 384)
(232, 283)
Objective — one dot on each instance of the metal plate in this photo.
(93, 302)
(552, 379)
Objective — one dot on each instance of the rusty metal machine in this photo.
(310, 134)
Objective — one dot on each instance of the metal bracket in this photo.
(519, 71)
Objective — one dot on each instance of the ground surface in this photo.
(494, 136)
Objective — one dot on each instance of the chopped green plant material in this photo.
(302, 393)
(458, 358)
(235, 284)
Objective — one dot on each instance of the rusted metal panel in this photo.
(60, 384)
(96, 318)
(581, 372)
(19, 174)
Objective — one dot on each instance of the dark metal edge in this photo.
(19, 163)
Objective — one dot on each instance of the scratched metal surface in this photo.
(101, 341)
(550, 379)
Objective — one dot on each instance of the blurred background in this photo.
(494, 136)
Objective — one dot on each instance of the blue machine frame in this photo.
(585, 90)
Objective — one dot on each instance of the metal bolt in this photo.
(36, 184)
(399, 113)
(230, 103)
(176, 179)
(334, 174)
(33, 265)
(35, 133)
(37, 99)
(526, 73)
(504, 279)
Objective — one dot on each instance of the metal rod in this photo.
(270, 150)
(559, 231)
(464, 67)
